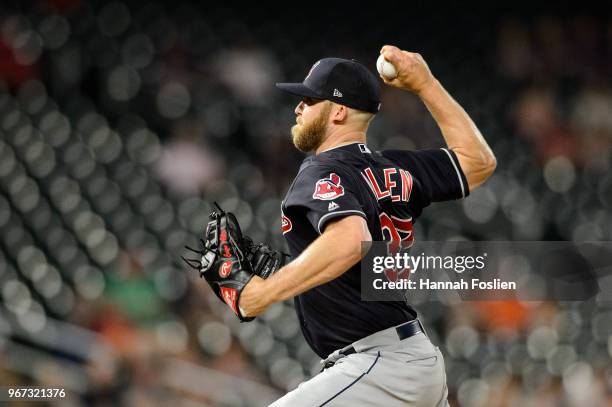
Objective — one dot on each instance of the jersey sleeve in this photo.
(325, 193)
(438, 170)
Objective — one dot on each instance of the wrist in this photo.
(250, 301)
(428, 87)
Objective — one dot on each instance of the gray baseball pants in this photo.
(385, 371)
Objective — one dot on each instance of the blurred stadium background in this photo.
(120, 122)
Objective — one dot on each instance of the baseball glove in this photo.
(228, 259)
(264, 260)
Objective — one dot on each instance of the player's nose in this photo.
(299, 108)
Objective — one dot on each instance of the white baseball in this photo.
(385, 68)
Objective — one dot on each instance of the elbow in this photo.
(357, 248)
(364, 240)
(359, 251)
(352, 253)
(484, 161)
(478, 172)
(341, 262)
(490, 165)
(351, 241)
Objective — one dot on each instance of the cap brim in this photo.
(298, 89)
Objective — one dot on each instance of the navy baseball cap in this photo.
(343, 81)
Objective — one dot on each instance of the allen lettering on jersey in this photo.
(398, 184)
(327, 189)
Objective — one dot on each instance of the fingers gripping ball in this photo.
(228, 260)
(412, 72)
(386, 68)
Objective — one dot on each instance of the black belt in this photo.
(403, 331)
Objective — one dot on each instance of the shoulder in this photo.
(322, 180)
(319, 168)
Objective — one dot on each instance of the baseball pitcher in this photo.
(373, 353)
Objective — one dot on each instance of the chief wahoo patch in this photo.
(327, 189)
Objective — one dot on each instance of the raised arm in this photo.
(460, 133)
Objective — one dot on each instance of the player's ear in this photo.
(339, 113)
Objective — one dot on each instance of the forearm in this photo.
(330, 255)
(323, 261)
(460, 133)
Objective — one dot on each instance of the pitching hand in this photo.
(413, 74)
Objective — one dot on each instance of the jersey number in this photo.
(393, 229)
(398, 233)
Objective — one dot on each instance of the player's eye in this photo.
(310, 101)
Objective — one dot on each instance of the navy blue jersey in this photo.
(389, 189)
